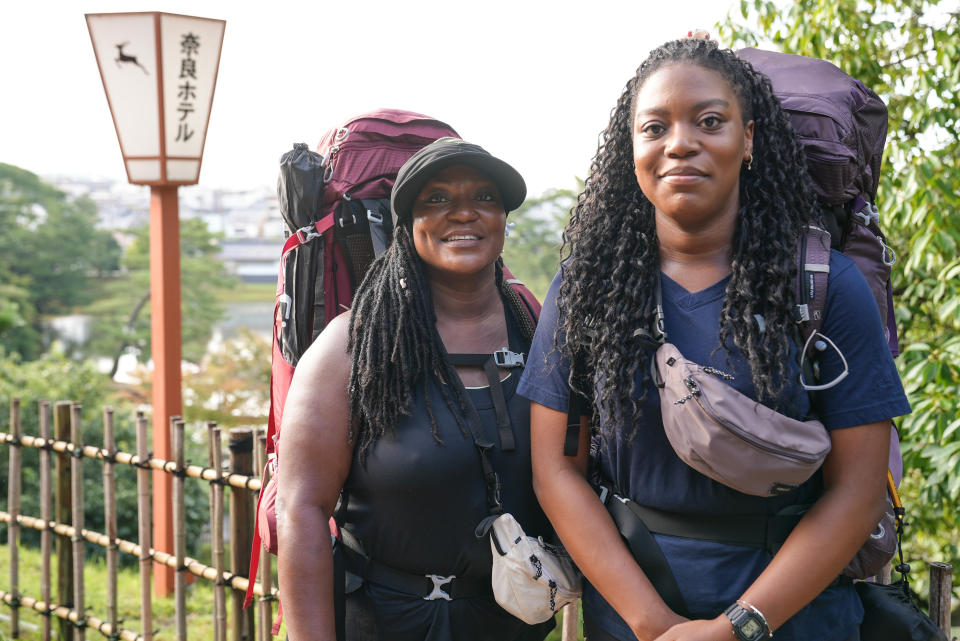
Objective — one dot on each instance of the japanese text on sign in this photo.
(187, 92)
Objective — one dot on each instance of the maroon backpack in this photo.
(336, 205)
(842, 126)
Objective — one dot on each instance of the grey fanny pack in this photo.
(728, 436)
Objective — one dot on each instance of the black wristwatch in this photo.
(748, 623)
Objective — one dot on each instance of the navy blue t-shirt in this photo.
(645, 467)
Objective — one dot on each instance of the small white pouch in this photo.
(531, 579)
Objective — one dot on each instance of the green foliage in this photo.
(56, 377)
(51, 256)
(907, 51)
(122, 316)
(53, 376)
(12, 301)
(232, 384)
(532, 251)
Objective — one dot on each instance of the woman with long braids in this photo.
(383, 406)
(688, 226)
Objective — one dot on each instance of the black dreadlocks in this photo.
(613, 254)
(394, 343)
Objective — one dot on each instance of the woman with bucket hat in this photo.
(383, 413)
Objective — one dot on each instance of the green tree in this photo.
(56, 377)
(908, 51)
(122, 316)
(532, 251)
(12, 300)
(232, 384)
(51, 256)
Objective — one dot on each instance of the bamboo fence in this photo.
(66, 501)
(67, 615)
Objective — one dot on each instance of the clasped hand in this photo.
(718, 629)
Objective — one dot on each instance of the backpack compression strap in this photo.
(307, 233)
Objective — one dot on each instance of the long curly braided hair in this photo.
(394, 343)
(612, 252)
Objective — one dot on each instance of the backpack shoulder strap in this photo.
(530, 304)
(523, 304)
(813, 271)
(578, 406)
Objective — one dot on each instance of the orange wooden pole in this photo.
(166, 351)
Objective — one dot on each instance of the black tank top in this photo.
(415, 503)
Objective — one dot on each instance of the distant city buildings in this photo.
(251, 230)
(248, 220)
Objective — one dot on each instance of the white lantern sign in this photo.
(159, 71)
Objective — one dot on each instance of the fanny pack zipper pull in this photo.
(717, 372)
(694, 391)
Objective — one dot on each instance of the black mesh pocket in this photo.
(352, 232)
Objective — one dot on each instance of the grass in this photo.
(248, 293)
(199, 601)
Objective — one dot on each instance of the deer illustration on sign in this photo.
(122, 57)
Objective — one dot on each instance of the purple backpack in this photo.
(842, 126)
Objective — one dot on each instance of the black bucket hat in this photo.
(441, 154)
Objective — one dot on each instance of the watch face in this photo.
(747, 626)
(751, 629)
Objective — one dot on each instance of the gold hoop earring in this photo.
(750, 162)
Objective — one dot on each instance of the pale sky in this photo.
(531, 81)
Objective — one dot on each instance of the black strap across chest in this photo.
(490, 363)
